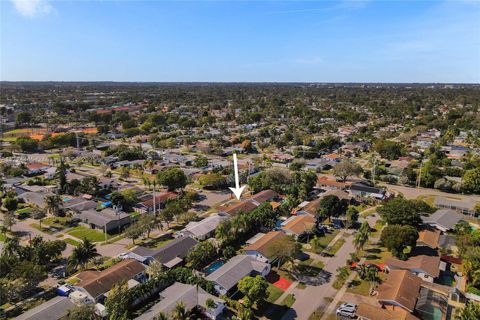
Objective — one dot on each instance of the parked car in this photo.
(347, 310)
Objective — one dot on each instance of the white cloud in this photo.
(33, 8)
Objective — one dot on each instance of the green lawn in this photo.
(23, 210)
(71, 241)
(336, 246)
(323, 242)
(42, 229)
(361, 287)
(82, 232)
(273, 293)
(288, 301)
(2, 237)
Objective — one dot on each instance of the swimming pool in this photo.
(214, 266)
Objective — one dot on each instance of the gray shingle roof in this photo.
(444, 217)
(205, 226)
(177, 248)
(53, 309)
(235, 269)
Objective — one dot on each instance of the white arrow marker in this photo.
(237, 191)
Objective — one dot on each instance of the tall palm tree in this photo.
(53, 204)
(372, 276)
(83, 254)
(361, 237)
(180, 312)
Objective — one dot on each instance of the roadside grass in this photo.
(273, 293)
(323, 242)
(368, 212)
(376, 254)
(288, 301)
(72, 281)
(362, 287)
(339, 282)
(429, 199)
(378, 227)
(42, 229)
(24, 210)
(336, 246)
(72, 242)
(155, 243)
(2, 237)
(81, 232)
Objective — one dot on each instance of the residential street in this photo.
(312, 297)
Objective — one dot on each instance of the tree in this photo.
(148, 223)
(283, 249)
(62, 175)
(471, 181)
(27, 144)
(254, 288)
(39, 215)
(118, 301)
(347, 168)
(469, 312)
(352, 216)
(180, 312)
(200, 161)
(155, 269)
(82, 312)
(212, 181)
(10, 203)
(82, 254)
(52, 204)
(400, 211)
(361, 237)
(397, 237)
(389, 149)
(134, 231)
(333, 206)
(8, 220)
(172, 178)
(201, 254)
(23, 118)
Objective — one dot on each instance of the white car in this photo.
(347, 310)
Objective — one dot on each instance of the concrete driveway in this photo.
(313, 297)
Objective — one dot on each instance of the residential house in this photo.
(53, 309)
(299, 225)
(330, 184)
(36, 199)
(361, 190)
(264, 196)
(443, 219)
(77, 205)
(262, 246)
(95, 285)
(170, 255)
(466, 206)
(241, 206)
(309, 208)
(35, 168)
(400, 291)
(191, 296)
(370, 312)
(227, 276)
(425, 267)
(202, 229)
(106, 220)
(341, 194)
(147, 205)
(428, 238)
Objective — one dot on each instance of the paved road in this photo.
(412, 193)
(24, 227)
(313, 297)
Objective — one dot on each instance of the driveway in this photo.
(313, 297)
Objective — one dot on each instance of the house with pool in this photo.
(226, 277)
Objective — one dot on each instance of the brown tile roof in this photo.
(402, 287)
(100, 282)
(370, 312)
(160, 198)
(429, 238)
(263, 196)
(244, 206)
(340, 194)
(263, 244)
(324, 181)
(428, 264)
(299, 224)
(312, 207)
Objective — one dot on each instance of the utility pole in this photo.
(373, 170)
(419, 179)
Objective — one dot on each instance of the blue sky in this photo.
(312, 41)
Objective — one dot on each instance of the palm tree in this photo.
(361, 237)
(53, 204)
(372, 276)
(161, 316)
(180, 312)
(83, 254)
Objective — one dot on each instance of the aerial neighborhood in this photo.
(359, 201)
